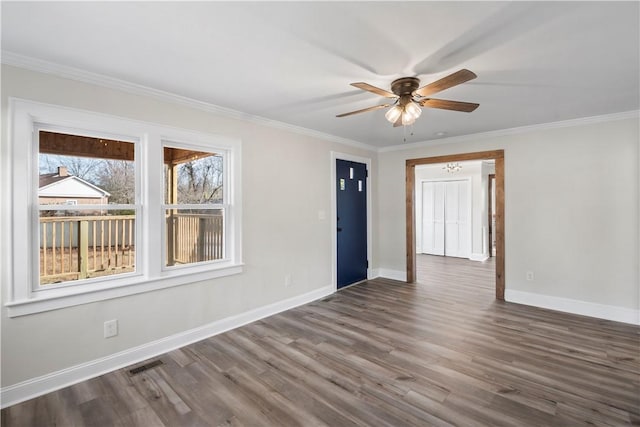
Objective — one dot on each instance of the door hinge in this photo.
(367, 263)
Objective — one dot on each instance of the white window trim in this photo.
(225, 206)
(20, 165)
(85, 285)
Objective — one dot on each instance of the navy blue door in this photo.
(351, 190)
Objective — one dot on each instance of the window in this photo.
(194, 207)
(89, 194)
(96, 237)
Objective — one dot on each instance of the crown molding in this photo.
(72, 73)
(514, 131)
(46, 67)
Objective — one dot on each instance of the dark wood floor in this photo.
(442, 352)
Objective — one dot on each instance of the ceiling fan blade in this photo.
(364, 110)
(445, 104)
(451, 80)
(373, 89)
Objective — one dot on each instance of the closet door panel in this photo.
(451, 245)
(439, 219)
(464, 219)
(433, 218)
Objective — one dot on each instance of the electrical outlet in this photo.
(287, 280)
(530, 276)
(111, 328)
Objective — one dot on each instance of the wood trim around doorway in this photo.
(498, 156)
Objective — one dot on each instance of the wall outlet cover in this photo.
(110, 328)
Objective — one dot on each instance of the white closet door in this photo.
(438, 221)
(445, 218)
(433, 218)
(464, 221)
(451, 228)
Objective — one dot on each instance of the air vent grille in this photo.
(145, 367)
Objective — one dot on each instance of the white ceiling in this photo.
(537, 62)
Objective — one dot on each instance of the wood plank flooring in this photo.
(383, 353)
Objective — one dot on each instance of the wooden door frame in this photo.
(498, 156)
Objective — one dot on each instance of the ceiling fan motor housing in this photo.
(405, 85)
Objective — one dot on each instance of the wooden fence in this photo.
(86, 246)
(80, 247)
(195, 238)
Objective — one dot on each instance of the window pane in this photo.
(194, 235)
(83, 244)
(85, 169)
(192, 177)
(78, 244)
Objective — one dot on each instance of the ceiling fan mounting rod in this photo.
(404, 100)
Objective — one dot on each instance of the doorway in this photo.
(498, 157)
(351, 222)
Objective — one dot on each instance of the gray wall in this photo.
(571, 211)
(285, 182)
(571, 217)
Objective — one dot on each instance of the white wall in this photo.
(285, 183)
(571, 211)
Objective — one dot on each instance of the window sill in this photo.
(42, 302)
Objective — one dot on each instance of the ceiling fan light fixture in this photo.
(394, 113)
(411, 112)
(413, 109)
(408, 119)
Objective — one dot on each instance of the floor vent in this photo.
(146, 366)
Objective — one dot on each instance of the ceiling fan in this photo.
(409, 97)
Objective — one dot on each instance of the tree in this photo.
(82, 167)
(201, 181)
(118, 178)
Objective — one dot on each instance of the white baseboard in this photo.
(479, 257)
(585, 308)
(392, 274)
(56, 380)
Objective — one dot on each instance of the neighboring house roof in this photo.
(54, 185)
(50, 178)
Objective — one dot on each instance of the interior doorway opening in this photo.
(434, 230)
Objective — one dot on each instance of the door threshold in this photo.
(352, 284)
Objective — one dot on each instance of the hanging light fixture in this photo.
(411, 112)
(452, 167)
(406, 110)
(394, 113)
